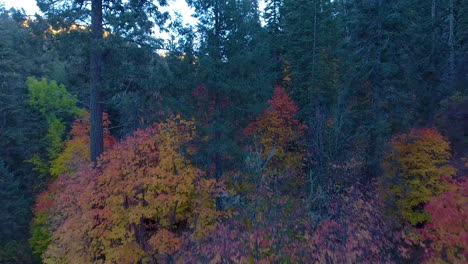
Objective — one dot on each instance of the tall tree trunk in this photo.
(375, 132)
(430, 117)
(275, 42)
(314, 47)
(451, 44)
(218, 162)
(96, 63)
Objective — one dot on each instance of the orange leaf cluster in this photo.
(279, 131)
(137, 205)
(76, 152)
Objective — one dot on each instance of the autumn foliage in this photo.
(355, 232)
(145, 202)
(66, 165)
(76, 151)
(138, 205)
(279, 132)
(415, 166)
(447, 230)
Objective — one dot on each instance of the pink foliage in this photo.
(448, 228)
(354, 232)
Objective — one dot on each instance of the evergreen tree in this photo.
(14, 219)
(232, 64)
(130, 19)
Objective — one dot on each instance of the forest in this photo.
(270, 131)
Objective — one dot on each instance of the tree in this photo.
(23, 128)
(54, 103)
(75, 156)
(19, 123)
(415, 165)
(278, 131)
(373, 88)
(76, 152)
(233, 65)
(311, 37)
(356, 232)
(14, 219)
(96, 64)
(273, 18)
(136, 205)
(273, 177)
(448, 227)
(73, 11)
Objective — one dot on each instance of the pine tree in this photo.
(135, 27)
(233, 62)
(14, 219)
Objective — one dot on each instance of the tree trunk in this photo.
(217, 99)
(96, 63)
(451, 44)
(314, 47)
(217, 157)
(375, 141)
(430, 117)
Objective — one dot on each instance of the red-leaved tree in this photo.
(447, 230)
(75, 156)
(138, 205)
(278, 131)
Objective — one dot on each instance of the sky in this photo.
(179, 6)
(31, 8)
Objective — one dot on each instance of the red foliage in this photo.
(202, 98)
(206, 101)
(279, 131)
(78, 148)
(80, 129)
(448, 228)
(136, 205)
(355, 232)
(282, 107)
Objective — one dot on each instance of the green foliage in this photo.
(54, 103)
(54, 136)
(14, 206)
(50, 98)
(67, 164)
(19, 125)
(40, 233)
(310, 36)
(449, 119)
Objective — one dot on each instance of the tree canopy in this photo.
(273, 131)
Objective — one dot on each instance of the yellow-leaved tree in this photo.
(140, 204)
(414, 166)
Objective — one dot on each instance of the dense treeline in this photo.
(313, 131)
